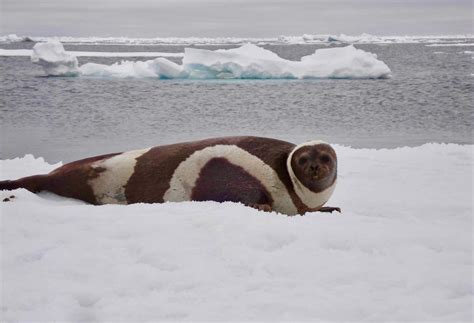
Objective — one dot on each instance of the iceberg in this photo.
(54, 59)
(343, 62)
(246, 62)
(253, 62)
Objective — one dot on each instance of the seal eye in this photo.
(325, 159)
(303, 160)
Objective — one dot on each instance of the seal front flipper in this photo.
(262, 207)
(329, 209)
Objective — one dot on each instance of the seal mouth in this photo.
(319, 176)
(318, 172)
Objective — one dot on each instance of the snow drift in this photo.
(400, 251)
(246, 62)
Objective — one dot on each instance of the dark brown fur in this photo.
(220, 181)
(155, 168)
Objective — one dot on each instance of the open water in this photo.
(428, 99)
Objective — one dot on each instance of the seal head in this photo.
(313, 170)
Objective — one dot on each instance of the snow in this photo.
(246, 62)
(283, 39)
(54, 59)
(400, 251)
(28, 52)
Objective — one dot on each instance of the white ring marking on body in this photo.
(308, 197)
(109, 186)
(186, 174)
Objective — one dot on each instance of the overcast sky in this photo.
(245, 18)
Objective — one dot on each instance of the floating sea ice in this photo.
(156, 68)
(343, 62)
(251, 61)
(246, 62)
(54, 59)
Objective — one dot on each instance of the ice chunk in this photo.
(54, 59)
(343, 62)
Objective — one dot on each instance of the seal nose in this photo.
(314, 168)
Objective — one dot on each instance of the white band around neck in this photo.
(308, 197)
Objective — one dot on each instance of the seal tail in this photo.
(35, 184)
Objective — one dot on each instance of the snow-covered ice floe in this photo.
(283, 39)
(400, 251)
(246, 62)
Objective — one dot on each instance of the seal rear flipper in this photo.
(35, 184)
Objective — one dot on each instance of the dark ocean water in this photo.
(429, 99)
